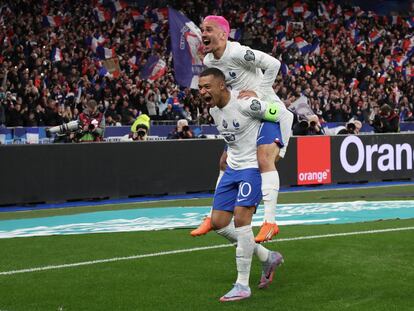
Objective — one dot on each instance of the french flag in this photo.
(354, 84)
(153, 69)
(149, 43)
(160, 14)
(101, 14)
(56, 55)
(298, 7)
(348, 15)
(322, 11)
(303, 46)
(395, 20)
(375, 36)
(137, 16)
(133, 62)
(307, 15)
(235, 34)
(317, 32)
(354, 36)
(315, 48)
(52, 21)
(119, 5)
(105, 53)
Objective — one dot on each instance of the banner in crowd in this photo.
(186, 45)
(153, 69)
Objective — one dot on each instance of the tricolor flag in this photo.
(298, 7)
(323, 11)
(105, 53)
(186, 45)
(303, 46)
(118, 5)
(160, 14)
(134, 62)
(102, 14)
(354, 84)
(235, 34)
(375, 36)
(315, 48)
(56, 55)
(395, 20)
(354, 36)
(52, 21)
(137, 16)
(153, 69)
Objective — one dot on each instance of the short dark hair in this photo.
(217, 73)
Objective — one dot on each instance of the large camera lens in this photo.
(186, 128)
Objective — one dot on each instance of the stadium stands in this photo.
(55, 55)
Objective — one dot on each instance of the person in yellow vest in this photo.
(140, 128)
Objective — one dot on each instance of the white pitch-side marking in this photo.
(195, 249)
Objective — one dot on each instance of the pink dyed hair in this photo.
(220, 21)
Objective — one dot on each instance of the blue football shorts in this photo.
(269, 133)
(238, 188)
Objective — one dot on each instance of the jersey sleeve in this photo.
(245, 57)
(266, 111)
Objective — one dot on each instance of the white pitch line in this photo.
(195, 249)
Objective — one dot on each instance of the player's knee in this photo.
(217, 223)
(241, 220)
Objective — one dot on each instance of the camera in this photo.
(186, 128)
(312, 124)
(141, 132)
(351, 127)
(71, 126)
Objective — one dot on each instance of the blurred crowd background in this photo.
(55, 57)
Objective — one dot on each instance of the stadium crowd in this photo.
(55, 56)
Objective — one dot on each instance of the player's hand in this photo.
(246, 94)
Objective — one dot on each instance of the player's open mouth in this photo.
(206, 42)
(207, 99)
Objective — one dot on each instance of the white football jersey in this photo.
(243, 68)
(239, 122)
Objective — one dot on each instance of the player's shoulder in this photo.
(208, 59)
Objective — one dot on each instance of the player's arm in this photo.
(247, 57)
(268, 111)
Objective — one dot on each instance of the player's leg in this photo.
(206, 225)
(248, 197)
(269, 144)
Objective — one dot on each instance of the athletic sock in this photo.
(221, 173)
(244, 253)
(229, 232)
(270, 190)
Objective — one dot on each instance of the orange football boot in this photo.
(204, 228)
(267, 232)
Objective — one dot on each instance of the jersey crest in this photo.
(255, 105)
(249, 56)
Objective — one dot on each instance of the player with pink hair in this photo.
(252, 73)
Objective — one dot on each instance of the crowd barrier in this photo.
(62, 172)
(36, 135)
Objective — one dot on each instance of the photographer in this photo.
(386, 121)
(182, 131)
(93, 123)
(308, 125)
(352, 127)
(139, 129)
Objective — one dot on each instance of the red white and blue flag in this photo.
(52, 21)
(153, 69)
(56, 55)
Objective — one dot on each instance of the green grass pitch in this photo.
(353, 272)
